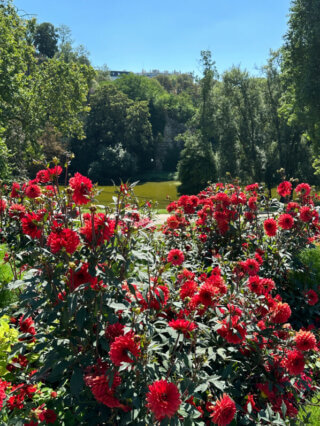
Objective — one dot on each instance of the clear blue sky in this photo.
(169, 34)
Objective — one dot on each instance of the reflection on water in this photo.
(157, 191)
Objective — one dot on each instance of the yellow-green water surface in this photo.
(161, 192)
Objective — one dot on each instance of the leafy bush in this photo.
(121, 324)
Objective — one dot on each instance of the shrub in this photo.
(119, 323)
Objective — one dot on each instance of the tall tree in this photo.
(46, 39)
(197, 163)
(301, 65)
(118, 141)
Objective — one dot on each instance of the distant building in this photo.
(116, 74)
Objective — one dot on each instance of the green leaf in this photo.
(76, 382)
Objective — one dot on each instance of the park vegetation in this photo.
(208, 128)
(212, 319)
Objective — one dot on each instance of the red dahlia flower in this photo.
(3, 205)
(184, 326)
(293, 208)
(306, 214)
(82, 189)
(32, 191)
(188, 289)
(43, 176)
(17, 211)
(163, 399)
(270, 227)
(305, 340)
(294, 362)
(55, 171)
(176, 257)
(233, 331)
(303, 189)
(251, 266)
(284, 188)
(80, 276)
(280, 313)
(101, 390)
(121, 347)
(30, 223)
(285, 221)
(27, 325)
(103, 228)
(63, 238)
(254, 285)
(252, 187)
(208, 294)
(173, 222)
(252, 203)
(114, 330)
(15, 190)
(48, 416)
(223, 411)
(312, 297)
(158, 299)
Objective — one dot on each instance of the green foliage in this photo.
(16, 62)
(301, 64)
(101, 315)
(58, 97)
(46, 39)
(196, 166)
(5, 169)
(39, 94)
(118, 137)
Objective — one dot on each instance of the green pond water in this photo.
(155, 191)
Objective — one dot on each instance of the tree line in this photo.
(213, 127)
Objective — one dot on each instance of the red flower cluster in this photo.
(294, 362)
(280, 313)
(270, 227)
(97, 228)
(124, 349)
(82, 189)
(184, 326)
(285, 221)
(97, 380)
(232, 330)
(284, 188)
(223, 411)
(31, 225)
(305, 340)
(63, 238)
(176, 257)
(163, 399)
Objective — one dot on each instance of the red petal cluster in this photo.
(285, 221)
(280, 313)
(223, 411)
(82, 189)
(63, 238)
(163, 399)
(31, 226)
(183, 325)
(102, 229)
(305, 340)
(270, 227)
(121, 347)
(176, 257)
(294, 362)
(284, 188)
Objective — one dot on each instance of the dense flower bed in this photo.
(117, 322)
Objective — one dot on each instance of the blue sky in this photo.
(169, 34)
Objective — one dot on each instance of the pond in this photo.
(156, 191)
